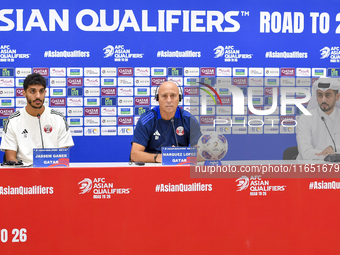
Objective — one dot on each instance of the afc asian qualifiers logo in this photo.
(219, 51)
(325, 52)
(120, 53)
(333, 53)
(230, 53)
(100, 188)
(243, 183)
(257, 185)
(85, 186)
(109, 51)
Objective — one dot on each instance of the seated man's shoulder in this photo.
(57, 117)
(313, 112)
(185, 113)
(15, 114)
(56, 113)
(147, 116)
(13, 117)
(188, 116)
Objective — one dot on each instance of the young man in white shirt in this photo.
(34, 126)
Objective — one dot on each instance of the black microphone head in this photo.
(38, 116)
(323, 118)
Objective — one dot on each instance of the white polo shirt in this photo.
(21, 133)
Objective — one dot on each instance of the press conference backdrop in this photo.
(104, 59)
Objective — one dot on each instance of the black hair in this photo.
(34, 79)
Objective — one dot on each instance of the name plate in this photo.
(179, 156)
(51, 157)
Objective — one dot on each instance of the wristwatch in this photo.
(155, 157)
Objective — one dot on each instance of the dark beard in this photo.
(35, 107)
(326, 109)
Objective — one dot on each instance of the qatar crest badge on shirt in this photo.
(180, 130)
(48, 129)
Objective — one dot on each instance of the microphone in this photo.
(323, 119)
(173, 127)
(42, 141)
(331, 157)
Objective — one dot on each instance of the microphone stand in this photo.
(173, 127)
(42, 141)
